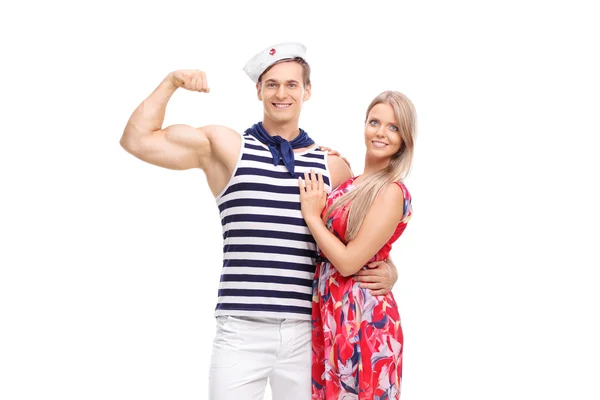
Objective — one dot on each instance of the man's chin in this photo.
(280, 117)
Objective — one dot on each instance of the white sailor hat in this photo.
(263, 60)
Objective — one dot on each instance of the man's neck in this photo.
(287, 130)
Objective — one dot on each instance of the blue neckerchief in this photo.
(279, 147)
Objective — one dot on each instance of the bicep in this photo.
(175, 147)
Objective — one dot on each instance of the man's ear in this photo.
(258, 93)
(307, 91)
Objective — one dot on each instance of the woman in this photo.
(357, 337)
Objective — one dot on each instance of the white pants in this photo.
(249, 351)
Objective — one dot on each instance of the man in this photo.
(264, 306)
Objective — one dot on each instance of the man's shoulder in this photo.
(339, 170)
(225, 143)
(219, 131)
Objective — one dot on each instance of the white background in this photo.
(109, 266)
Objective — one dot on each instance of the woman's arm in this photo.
(378, 226)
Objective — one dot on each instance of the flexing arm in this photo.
(176, 146)
(378, 226)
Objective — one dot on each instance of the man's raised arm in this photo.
(176, 146)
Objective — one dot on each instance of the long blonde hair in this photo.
(362, 197)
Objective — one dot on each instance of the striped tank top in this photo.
(268, 251)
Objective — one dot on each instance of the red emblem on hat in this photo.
(272, 51)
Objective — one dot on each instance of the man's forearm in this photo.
(393, 270)
(149, 116)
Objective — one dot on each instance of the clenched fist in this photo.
(190, 79)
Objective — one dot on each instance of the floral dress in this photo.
(356, 337)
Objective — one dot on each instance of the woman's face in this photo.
(382, 135)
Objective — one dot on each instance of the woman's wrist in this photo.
(313, 220)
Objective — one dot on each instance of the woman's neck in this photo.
(374, 166)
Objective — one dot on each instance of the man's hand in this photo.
(190, 79)
(380, 277)
(332, 152)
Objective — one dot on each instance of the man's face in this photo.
(282, 92)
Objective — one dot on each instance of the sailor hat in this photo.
(267, 57)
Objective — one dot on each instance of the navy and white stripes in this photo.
(268, 252)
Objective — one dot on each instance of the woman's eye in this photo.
(394, 128)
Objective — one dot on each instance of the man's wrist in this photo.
(170, 83)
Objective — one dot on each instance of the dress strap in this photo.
(407, 206)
